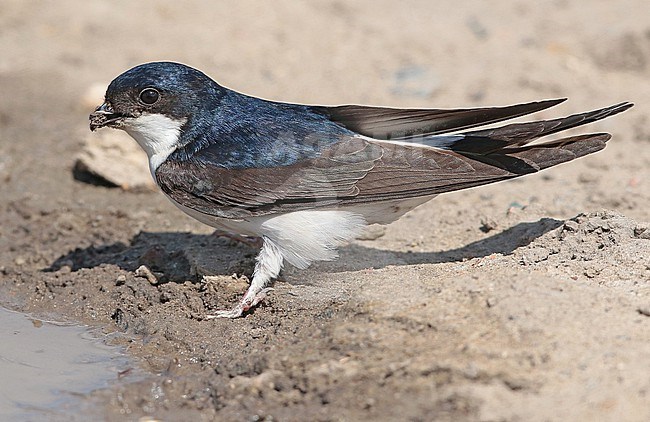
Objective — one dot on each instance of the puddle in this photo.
(45, 366)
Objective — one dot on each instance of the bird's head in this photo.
(173, 90)
(153, 101)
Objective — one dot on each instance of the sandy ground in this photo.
(523, 301)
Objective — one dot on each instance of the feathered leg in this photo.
(268, 266)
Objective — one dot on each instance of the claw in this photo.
(249, 301)
(235, 312)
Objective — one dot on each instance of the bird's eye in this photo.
(149, 95)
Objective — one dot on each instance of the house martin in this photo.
(307, 179)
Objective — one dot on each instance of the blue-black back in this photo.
(248, 132)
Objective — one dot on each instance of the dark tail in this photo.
(505, 139)
(533, 158)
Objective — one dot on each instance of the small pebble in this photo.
(488, 224)
(642, 232)
(571, 226)
(145, 272)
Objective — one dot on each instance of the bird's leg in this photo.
(268, 266)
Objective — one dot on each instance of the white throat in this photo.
(157, 135)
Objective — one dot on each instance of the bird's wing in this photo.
(234, 193)
(409, 172)
(396, 123)
(357, 171)
(445, 163)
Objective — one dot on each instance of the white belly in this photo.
(310, 235)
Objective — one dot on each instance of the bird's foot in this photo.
(249, 301)
(253, 242)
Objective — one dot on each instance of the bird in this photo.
(307, 179)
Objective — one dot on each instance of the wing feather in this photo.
(352, 169)
(357, 171)
(400, 123)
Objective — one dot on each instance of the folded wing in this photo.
(360, 170)
(404, 123)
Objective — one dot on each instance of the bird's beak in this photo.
(104, 115)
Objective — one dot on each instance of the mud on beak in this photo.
(104, 115)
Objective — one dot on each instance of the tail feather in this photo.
(452, 171)
(533, 158)
(488, 141)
